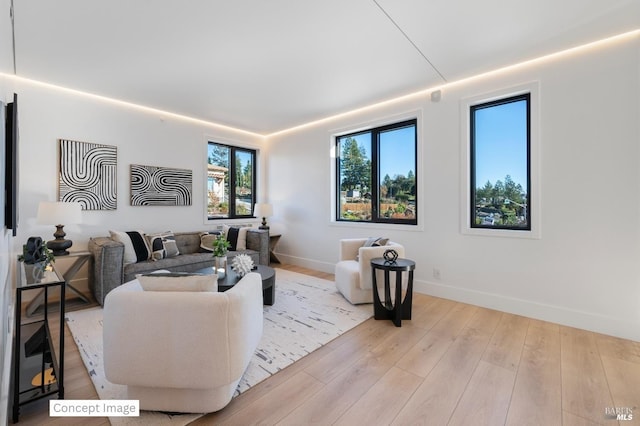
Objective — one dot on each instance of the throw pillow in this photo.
(373, 242)
(383, 241)
(162, 245)
(176, 281)
(207, 239)
(237, 237)
(135, 245)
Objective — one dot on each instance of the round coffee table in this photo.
(267, 274)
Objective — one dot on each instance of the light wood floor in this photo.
(452, 364)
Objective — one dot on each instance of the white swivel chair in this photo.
(353, 270)
(181, 351)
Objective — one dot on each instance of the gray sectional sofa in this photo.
(110, 270)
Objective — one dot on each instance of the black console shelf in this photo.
(37, 371)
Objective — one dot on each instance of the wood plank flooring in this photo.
(452, 364)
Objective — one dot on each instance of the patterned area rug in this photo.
(308, 312)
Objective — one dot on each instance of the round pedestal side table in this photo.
(398, 309)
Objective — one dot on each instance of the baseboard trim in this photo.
(327, 267)
(545, 312)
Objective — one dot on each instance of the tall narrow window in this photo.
(230, 181)
(376, 175)
(500, 175)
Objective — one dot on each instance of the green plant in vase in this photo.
(220, 248)
(43, 259)
(36, 253)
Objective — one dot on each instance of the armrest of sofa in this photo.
(108, 266)
(258, 240)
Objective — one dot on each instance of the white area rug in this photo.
(308, 312)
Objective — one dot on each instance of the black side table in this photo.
(402, 308)
(36, 371)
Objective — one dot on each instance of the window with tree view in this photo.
(230, 181)
(376, 174)
(500, 164)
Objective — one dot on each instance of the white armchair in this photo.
(353, 270)
(181, 351)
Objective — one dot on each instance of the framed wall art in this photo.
(88, 174)
(160, 186)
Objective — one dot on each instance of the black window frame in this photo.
(375, 173)
(472, 151)
(232, 181)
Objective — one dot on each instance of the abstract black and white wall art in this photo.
(160, 186)
(88, 174)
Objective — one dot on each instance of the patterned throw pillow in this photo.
(162, 245)
(207, 239)
(373, 242)
(135, 245)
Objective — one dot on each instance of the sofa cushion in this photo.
(176, 281)
(135, 245)
(162, 245)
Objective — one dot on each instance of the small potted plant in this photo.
(36, 253)
(220, 248)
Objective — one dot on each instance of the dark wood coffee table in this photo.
(267, 274)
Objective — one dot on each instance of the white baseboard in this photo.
(545, 312)
(551, 313)
(307, 263)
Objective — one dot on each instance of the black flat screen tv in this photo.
(11, 167)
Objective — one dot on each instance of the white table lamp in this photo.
(263, 210)
(57, 213)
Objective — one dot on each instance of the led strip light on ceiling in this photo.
(553, 56)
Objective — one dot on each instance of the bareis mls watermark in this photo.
(618, 413)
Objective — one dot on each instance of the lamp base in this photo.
(59, 246)
(264, 224)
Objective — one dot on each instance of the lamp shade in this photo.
(58, 213)
(263, 210)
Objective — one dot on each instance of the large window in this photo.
(500, 175)
(376, 175)
(231, 174)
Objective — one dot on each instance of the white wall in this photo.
(583, 271)
(141, 137)
(6, 279)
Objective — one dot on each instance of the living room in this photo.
(578, 267)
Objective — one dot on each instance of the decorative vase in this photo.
(220, 266)
(38, 271)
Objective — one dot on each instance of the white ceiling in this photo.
(267, 65)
